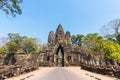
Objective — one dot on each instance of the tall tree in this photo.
(111, 29)
(12, 46)
(14, 37)
(29, 45)
(25, 44)
(112, 50)
(11, 7)
(77, 39)
(93, 43)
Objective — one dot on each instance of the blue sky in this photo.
(39, 17)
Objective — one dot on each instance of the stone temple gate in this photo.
(60, 51)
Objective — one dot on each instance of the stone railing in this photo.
(25, 63)
(105, 70)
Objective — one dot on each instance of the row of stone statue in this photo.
(98, 64)
(17, 64)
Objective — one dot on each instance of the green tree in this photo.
(3, 50)
(12, 46)
(29, 45)
(25, 44)
(118, 38)
(14, 37)
(93, 43)
(77, 39)
(112, 50)
(11, 7)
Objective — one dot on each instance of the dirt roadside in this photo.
(91, 74)
(24, 76)
(75, 69)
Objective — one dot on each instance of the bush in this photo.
(3, 50)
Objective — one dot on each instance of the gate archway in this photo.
(60, 56)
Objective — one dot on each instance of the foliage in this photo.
(12, 46)
(11, 7)
(77, 39)
(14, 37)
(110, 37)
(92, 43)
(112, 50)
(29, 45)
(112, 44)
(96, 44)
(118, 38)
(3, 50)
(25, 44)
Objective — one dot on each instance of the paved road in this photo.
(59, 73)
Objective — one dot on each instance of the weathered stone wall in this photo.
(97, 64)
(25, 63)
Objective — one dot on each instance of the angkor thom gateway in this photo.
(60, 51)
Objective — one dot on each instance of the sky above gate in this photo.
(77, 16)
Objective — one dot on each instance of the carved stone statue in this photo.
(59, 36)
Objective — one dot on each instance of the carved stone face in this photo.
(67, 36)
(59, 34)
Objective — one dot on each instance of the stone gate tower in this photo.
(59, 48)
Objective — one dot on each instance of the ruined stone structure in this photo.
(60, 51)
(24, 63)
(9, 58)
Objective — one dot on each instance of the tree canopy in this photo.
(21, 44)
(11, 7)
(95, 44)
(112, 50)
(77, 39)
